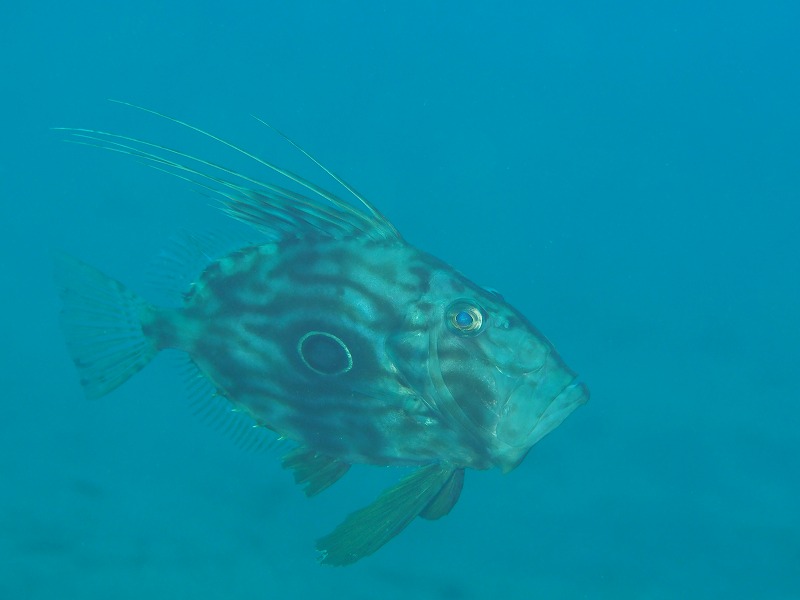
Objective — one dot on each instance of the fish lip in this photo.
(528, 416)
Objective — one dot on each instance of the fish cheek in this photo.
(469, 376)
(408, 352)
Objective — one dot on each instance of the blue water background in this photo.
(626, 173)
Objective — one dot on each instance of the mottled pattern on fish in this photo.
(247, 313)
(336, 334)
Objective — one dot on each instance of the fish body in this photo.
(338, 335)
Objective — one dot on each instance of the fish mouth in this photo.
(533, 409)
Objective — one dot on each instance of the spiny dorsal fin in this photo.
(445, 500)
(270, 208)
(366, 530)
(314, 471)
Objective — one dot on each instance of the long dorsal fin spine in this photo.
(370, 207)
(378, 220)
(107, 140)
(341, 214)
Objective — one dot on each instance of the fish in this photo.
(334, 334)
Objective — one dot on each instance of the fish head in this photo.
(484, 369)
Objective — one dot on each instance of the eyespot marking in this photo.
(324, 353)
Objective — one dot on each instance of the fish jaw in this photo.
(532, 411)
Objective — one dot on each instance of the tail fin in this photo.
(102, 323)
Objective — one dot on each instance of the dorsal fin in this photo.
(273, 209)
(176, 268)
(369, 206)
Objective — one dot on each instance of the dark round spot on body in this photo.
(324, 353)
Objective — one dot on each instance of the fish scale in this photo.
(338, 335)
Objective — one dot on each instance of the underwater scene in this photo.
(432, 300)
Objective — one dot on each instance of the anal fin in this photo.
(216, 410)
(366, 530)
(313, 470)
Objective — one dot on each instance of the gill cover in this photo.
(484, 370)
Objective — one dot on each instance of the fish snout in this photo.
(541, 401)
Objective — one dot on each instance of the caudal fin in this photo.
(101, 319)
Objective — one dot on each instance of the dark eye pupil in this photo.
(464, 319)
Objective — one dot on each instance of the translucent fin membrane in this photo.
(366, 530)
(218, 412)
(314, 471)
(269, 207)
(186, 256)
(102, 321)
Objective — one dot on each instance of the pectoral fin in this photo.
(366, 530)
(314, 471)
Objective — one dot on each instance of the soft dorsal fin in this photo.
(313, 470)
(366, 530)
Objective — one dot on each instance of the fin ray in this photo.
(172, 274)
(367, 218)
(366, 530)
(314, 471)
(101, 319)
(270, 208)
(443, 502)
(216, 410)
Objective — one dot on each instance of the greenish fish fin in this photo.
(186, 255)
(313, 470)
(101, 319)
(366, 530)
(220, 413)
(446, 499)
(272, 209)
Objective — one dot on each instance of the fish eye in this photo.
(465, 318)
(324, 353)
